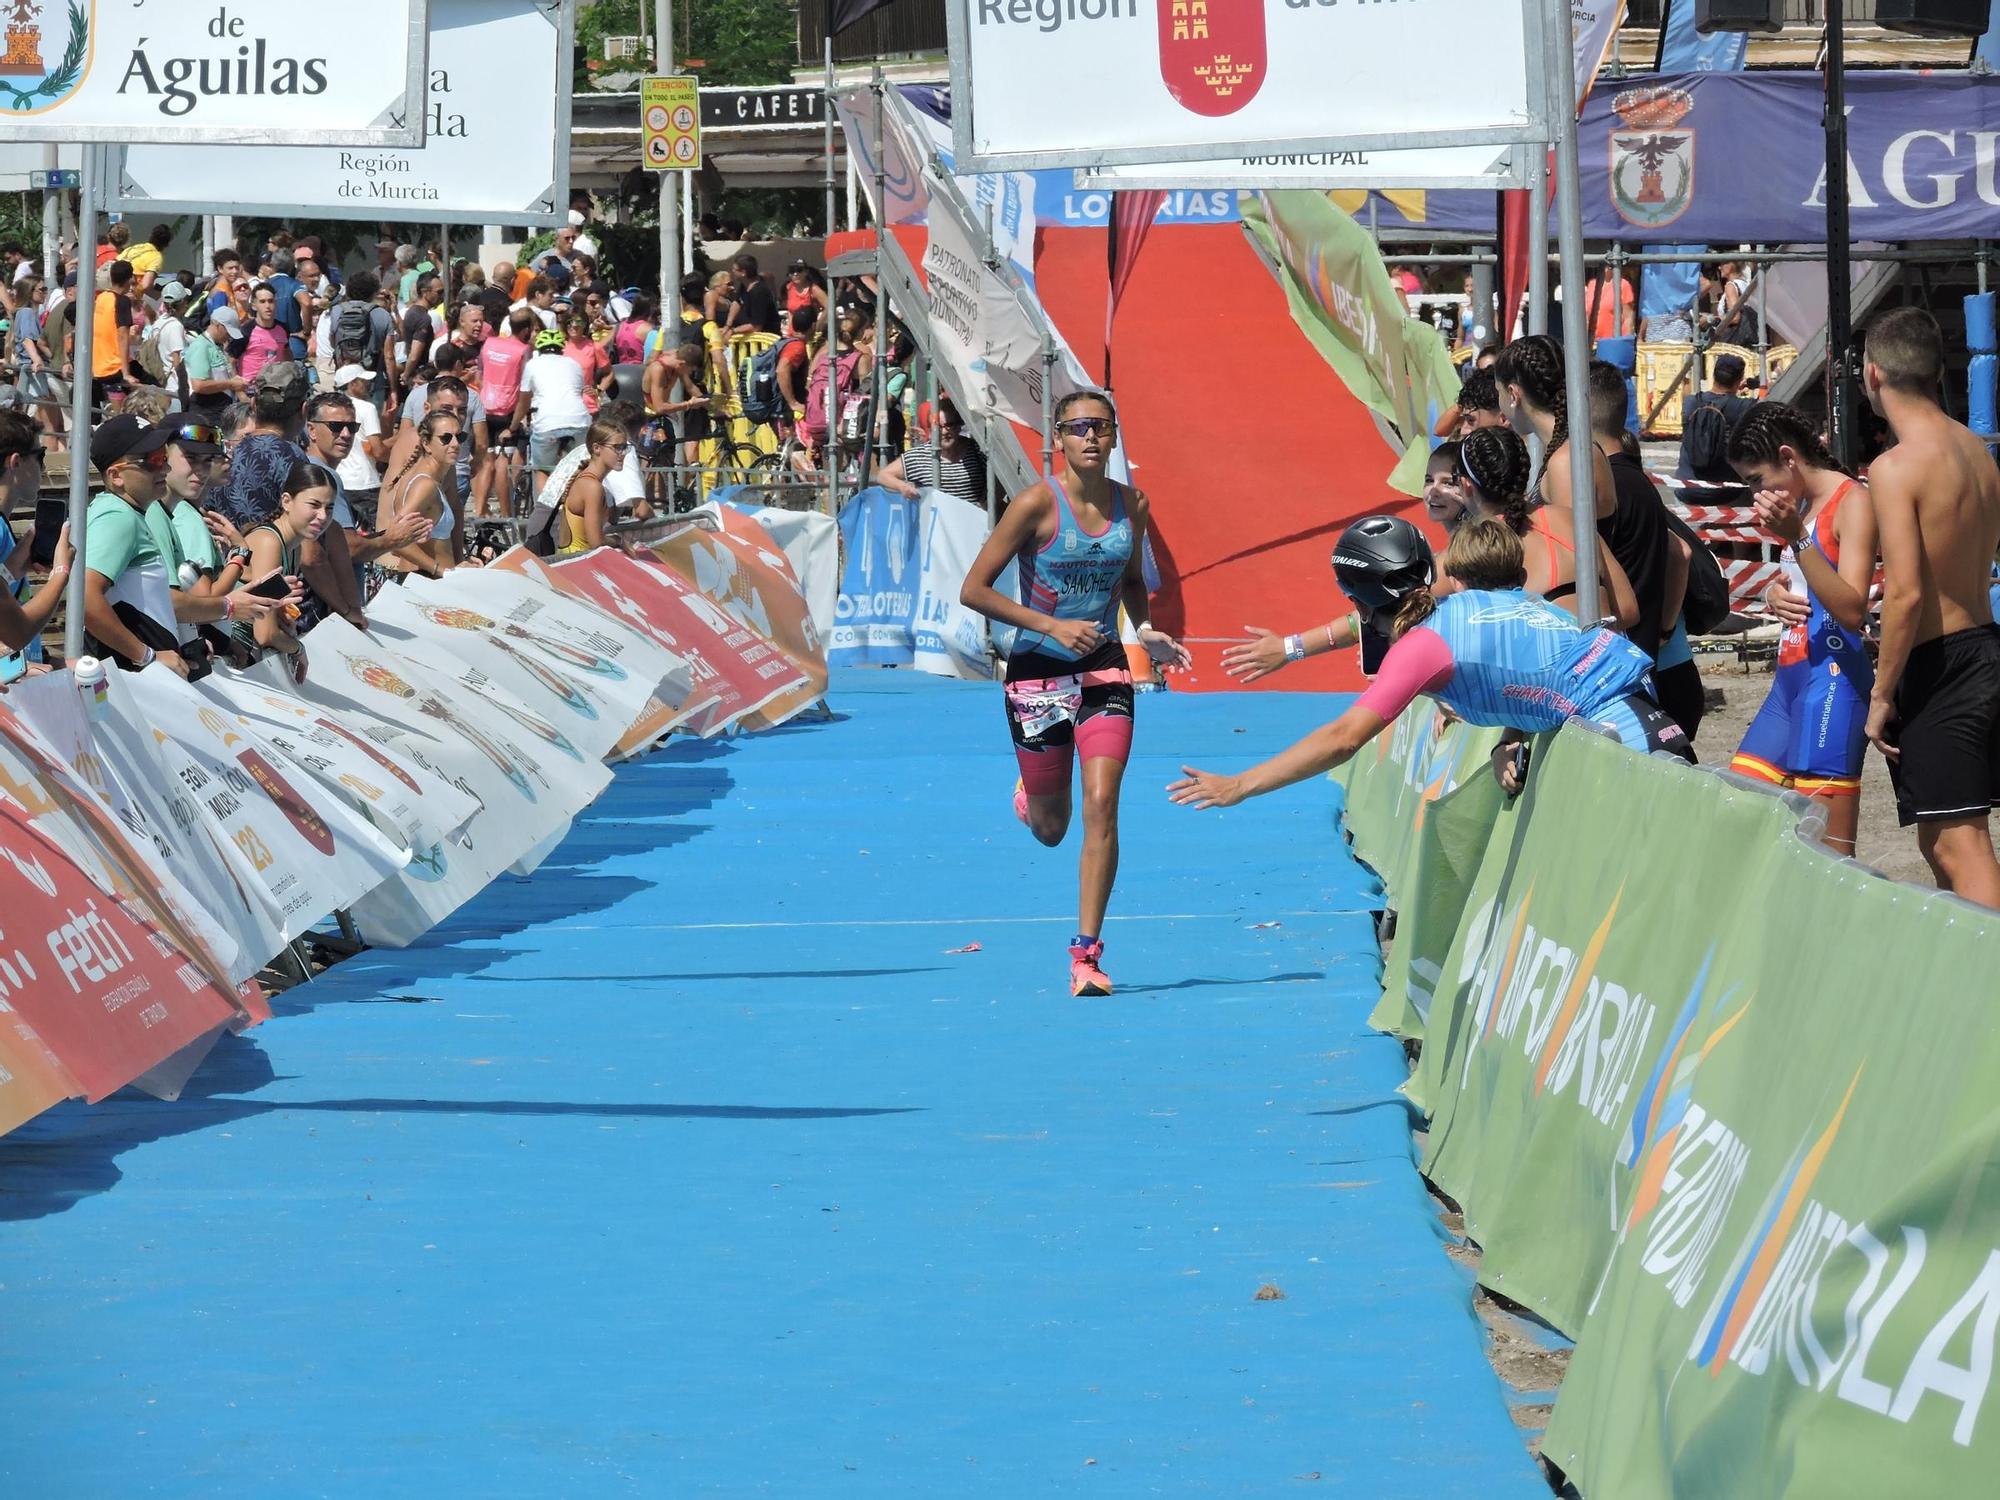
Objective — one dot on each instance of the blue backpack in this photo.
(762, 400)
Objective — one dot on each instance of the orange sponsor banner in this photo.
(102, 987)
(660, 715)
(55, 799)
(667, 605)
(749, 581)
(31, 1079)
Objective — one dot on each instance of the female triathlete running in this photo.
(1491, 653)
(1811, 733)
(1078, 538)
(1266, 651)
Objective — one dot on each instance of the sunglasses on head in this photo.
(195, 432)
(1078, 427)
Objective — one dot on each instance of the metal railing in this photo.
(1796, 12)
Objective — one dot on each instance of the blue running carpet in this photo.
(700, 1164)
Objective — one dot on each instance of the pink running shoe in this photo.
(1085, 977)
(1021, 800)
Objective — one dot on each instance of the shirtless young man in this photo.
(1935, 709)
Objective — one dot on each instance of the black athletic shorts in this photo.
(1097, 698)
(1682, 695)
(1948, 728)
(1642, 725)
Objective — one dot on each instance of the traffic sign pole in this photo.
(670, 198)
(669, 142)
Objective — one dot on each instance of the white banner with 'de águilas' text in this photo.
(220, 71)
(496, 148)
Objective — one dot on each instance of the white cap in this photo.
(346, 375)
(575, 219)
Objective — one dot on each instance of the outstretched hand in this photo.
(1259, 656)
(1165, 651)
(1200, 789)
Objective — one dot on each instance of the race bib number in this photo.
(1038, 707)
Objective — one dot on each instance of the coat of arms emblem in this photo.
(1212, 53)
(1652, 159)
(43, 64)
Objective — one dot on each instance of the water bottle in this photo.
(94, 683)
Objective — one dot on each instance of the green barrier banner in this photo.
(1805, 1286)
(1720, 1106)
(1576, 958)
(1390, 785)
(1418, 819)
(1344, 302)
(1449, 849)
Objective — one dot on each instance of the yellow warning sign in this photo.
(670, 124)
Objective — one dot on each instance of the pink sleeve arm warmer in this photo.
(1418, 663)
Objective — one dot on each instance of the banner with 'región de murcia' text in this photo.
(484, 158)
(1733, 1137)
(1075, 82)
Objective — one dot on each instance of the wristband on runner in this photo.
(1295, 648)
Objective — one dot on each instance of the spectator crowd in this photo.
(274, 439)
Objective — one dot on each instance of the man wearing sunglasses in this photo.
(133, 604)
(332, 430)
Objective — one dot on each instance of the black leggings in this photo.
(1679, 690)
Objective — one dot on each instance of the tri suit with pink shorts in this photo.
(1059, 704)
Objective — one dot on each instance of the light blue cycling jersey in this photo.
(1519, 660)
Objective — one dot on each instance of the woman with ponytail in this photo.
(1811, 733)
(1535, 401)
(1490, 652)
(1493, 470)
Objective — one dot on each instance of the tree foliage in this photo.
(742, 41)
(736, 41)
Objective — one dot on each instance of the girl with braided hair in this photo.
(1534, 400)
(1493, 469)
(1811, 733)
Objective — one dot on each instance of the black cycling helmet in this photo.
(1380, 561)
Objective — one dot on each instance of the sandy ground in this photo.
(1881, 844)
